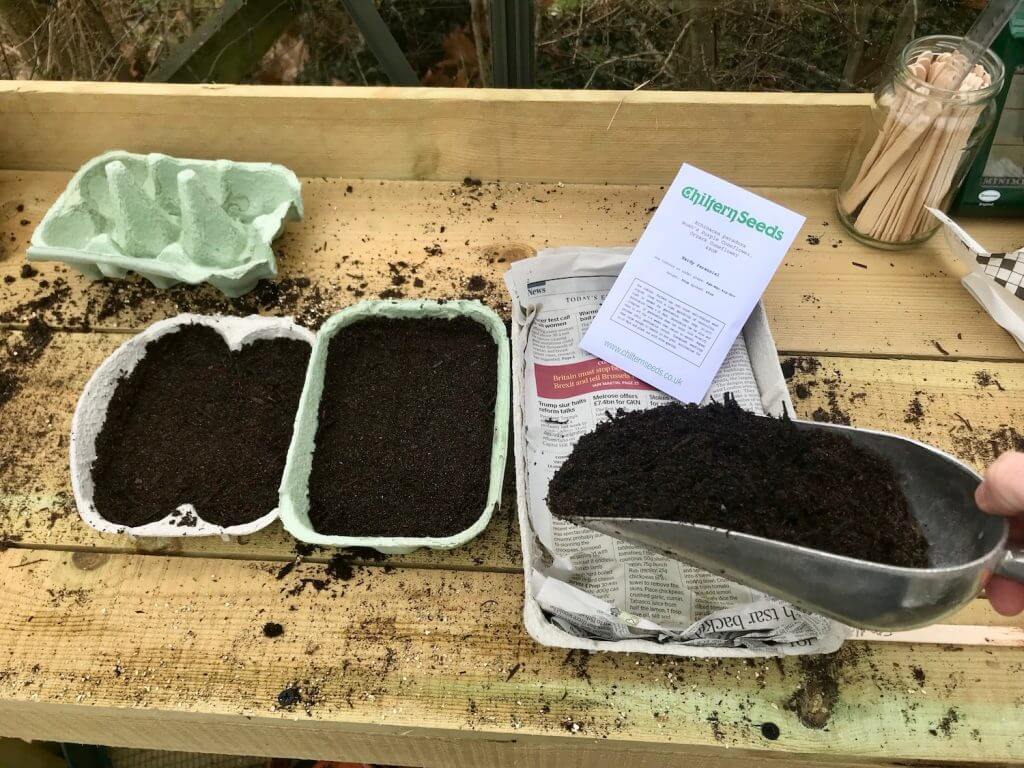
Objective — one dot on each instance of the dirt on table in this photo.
(18, 354)
(915, 412)
(818, 691)
(403, 446)
(985, 379)
(196, 423)
(720, 465)
(297, 296)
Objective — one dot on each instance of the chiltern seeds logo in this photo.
(709, 203)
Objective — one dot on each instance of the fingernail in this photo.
(982, 496)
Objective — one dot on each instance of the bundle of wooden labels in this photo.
(916, 156)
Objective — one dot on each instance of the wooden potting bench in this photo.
(422, 659)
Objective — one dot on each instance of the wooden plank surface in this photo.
(973, 410)
(442, 655)
(422, 660)
(428, 133)
(970, 411)
(359, 238)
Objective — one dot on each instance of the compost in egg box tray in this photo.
(403, 436)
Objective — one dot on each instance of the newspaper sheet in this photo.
(589, 585)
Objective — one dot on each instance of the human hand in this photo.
(1002, 493)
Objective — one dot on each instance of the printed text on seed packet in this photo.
(701, 265)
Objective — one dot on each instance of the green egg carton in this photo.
(170, 220)
(294, 497)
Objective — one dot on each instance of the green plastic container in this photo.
(995, 182)
(170, 220)
(294, 500)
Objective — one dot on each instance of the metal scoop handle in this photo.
(1012, 566)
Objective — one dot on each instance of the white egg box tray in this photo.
(91, 412)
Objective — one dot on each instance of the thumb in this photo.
(1002, 490)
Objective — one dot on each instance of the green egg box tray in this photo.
(294, 497)
(171, 220)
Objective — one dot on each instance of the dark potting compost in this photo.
(403, 444)
(196, 423)
(722, 466)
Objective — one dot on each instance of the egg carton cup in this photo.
(294, 501)
(91, 413)
(171, 220)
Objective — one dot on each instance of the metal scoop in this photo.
(965, 547)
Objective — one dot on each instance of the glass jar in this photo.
(918, 145)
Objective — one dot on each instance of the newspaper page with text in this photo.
(588, 584)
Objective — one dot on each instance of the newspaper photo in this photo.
(585, 589)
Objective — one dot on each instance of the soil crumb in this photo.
(340, 567)
(915, 411)
(195, 423)
(305, 694)
(289, 697)
(720, 465)
(919, 675)
(946, 723)
(834, 413)
(272, 629)
(793, 365)
(571, 725)
(476, 284)
(986, 379)
(407, 419)
(716, 726)
(50, 298)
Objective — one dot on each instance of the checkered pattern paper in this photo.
(996, 280)
(1007, 269)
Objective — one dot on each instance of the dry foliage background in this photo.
(620, 44)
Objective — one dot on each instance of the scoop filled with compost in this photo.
(872, 529)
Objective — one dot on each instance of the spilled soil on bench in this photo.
(196, 423)
(18, 353)
(722, 466)
(403, 446)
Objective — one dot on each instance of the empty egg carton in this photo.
(170, 220)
